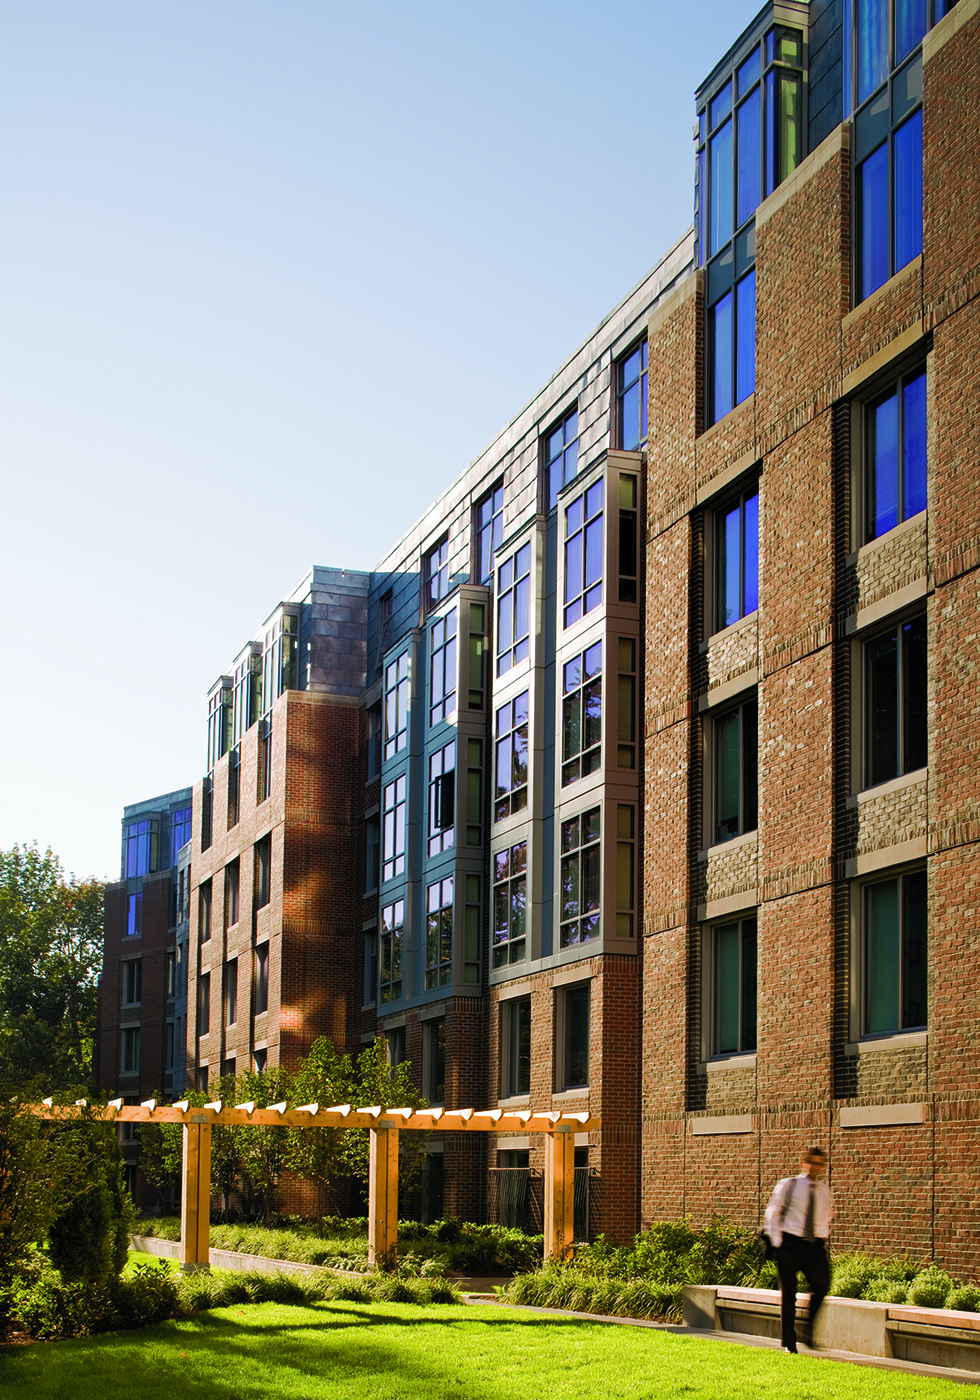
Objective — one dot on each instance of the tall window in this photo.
(885, 88)
(436, 574)
(561, 456)
(392, 931)
(439, 934)
(231, 992)
(132, 982)
(625, 869)
(515, 1045)
(474, 792)
(514, 610)
(247, 703)
(581, 717)
(261, 989)
(396, 705)
(234, 785)
(897, 723)
(442, 668)
(581, 861)
(573, 1046)
(169, 1045)
(130, 1051)
(434, 1059)
(134, 916)
(583, 554)
(626, 703)
(180, 831)
(204, 912)
(393, 829)
(489, 530)
(737, 558)
(750, 138)
(172, 974)
(510, 761)
(895, 437)
(207, 811)
(204, 1003)
(442, 799)
(628, 555)
(733, 987)
(736, 743)
(263, 871)
(370, 967)
(141, 847)
(509, 904)
(263, 786)
(220, 706)
(631, 394)
(280, 660)
(895, 923)
(232, 886)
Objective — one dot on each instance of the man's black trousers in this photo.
(796, 1255)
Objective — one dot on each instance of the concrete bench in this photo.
(935, 1336)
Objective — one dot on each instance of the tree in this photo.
(50, 960)
(41, 1171)
(264, 1150)
(89, 1239)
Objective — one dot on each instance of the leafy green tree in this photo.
(41, 1171)
(320, 1155)
(379, 1083)
(264, 1150)
(50, 960)
(89, 1240)
(162, 1144)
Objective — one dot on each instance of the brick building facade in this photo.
(641, 775)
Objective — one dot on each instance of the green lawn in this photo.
(390, 1351)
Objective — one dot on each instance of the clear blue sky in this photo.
(271, 275)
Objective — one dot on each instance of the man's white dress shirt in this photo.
(793, 1222)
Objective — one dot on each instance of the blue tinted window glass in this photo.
(908, 191)
(914, 446)
(631, 418)
(745, 347)
(721, 105)
(702, 205)
(910, 26)
(720, 211)
(872, 46)
(749, 156)
(721, 343)
(872, 196)
(883, 458)
(729, 559)
(751, 583)
(748, 73)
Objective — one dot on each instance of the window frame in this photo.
(391, 953)
(263, 871)
(513, 607)
(568, 997)
(565, 452)
(488, 533)
(434, 1059)
(711, 759)
(508, 875)
(588, 858)
(397, 704)
(864, 747)
(576, 697)
(229, 992)
(444, 667)
(860, 975)
(435, 574)
(131, 981)
(716, 514)
(641, 381)
(581, 526)
(511, 801)
(442, 804)
(872, 398)
(516, 1021)
(130, 1049)
(440, 926)
(204, 1003)
(394, 825)
(260, 979)
(747, 1033)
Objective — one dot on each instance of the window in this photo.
(631, 397)
(573, 1036)
(220, 709)
(180, 831)
(628, 569)
(442, 668)
(436, 574)
(396, 706)
(750, 138)
(228, 1068)
(202, 1079)
(510, 768)
(489, 531)
(263, 871)
(169, 1044)
(134, 916)
(370, 967)
(580, 878)
(894, 955)
(180, 970)
(736, 743)
(475, 679)
(625, 869)
(583, 554)
(439, 934)
(474, 792)
(515, 1047)
(132, 982)
(372, 853)
(434, 1059)
(886, 90)
(736, 528)
(263, 785)
(280, 660)
(204, 912)
(471, 930)
(509, 904)
(171, 983)
(204, 1003)
(442, 799)
(230, 992)
(131, 1050)
(895, 687)
(561, 456)
(261, 997)
(514, 610)
(141, 848)
(234, 785)
(393, 830)
(247, 704)
(375, 743)
(392, 932)
(895, 455)
(626, 703)
(207, 812)
(260, 1059)
(581, 715)
(232, 885)
(733, 987)
(395, 1046)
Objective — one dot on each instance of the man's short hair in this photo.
(814, 1154)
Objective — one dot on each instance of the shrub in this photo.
(931, 1288)
(964, 1299)
(885, 1290)
(851, 1275)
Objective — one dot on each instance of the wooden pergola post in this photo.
(195, 1199)
(383, 1198)
(559, 1192)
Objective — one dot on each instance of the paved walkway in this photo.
(881, 1363)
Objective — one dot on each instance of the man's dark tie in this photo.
(808, 1232)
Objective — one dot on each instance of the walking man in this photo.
(798, 1224)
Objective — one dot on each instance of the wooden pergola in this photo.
(383, 1125)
